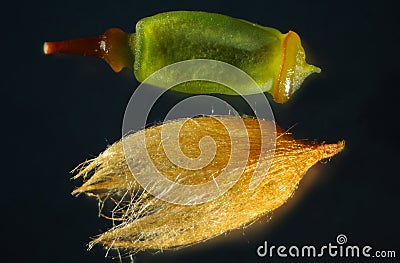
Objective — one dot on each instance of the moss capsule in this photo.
(274, 60)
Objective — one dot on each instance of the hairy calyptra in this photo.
(274, 60)
(145, 222)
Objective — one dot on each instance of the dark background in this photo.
(58, 111)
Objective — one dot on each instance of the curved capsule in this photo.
(274, 60)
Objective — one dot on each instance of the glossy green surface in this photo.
(171, 37)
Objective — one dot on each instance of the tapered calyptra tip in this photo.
(112, 46)
(329, 150)
(294, 68)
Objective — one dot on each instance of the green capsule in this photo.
(274, 60)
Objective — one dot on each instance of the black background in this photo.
(60, 110)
